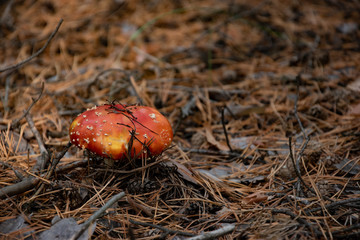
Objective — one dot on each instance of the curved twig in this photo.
(41, 50)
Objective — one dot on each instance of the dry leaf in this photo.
(211, 139)
(255, 197)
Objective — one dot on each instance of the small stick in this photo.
(307, 138)
(224, 127)
(297, 169)
(13, 67)
(97, 214)
(36, 133)
(16, 122)
(214, 234)
(51, 171)
(58, 158)
(44, 157)
(166, 230)
(17, 188)
(70, 166)
(298, 80)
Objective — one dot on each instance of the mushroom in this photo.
(118, 131)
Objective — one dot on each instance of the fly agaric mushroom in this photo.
(118, 131)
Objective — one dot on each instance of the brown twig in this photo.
(72, 165)
(297, 169)
(52, 169)
(296, 162)
(224, 128)
(41, 50)
(44, 157)
(34, 100)
(18, 188)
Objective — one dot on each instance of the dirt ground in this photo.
(263, 98)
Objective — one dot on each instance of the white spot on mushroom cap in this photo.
(84, 116)
(94, 139)
(87, 140)
(145, 135)
(90, 127)
(152, 115)
(97, 113)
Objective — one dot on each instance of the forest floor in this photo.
(263, 98)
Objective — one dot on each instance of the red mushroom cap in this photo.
(117, 131)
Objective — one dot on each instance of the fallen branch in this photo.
(27, 183)
(18, 188)
(41, 50)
